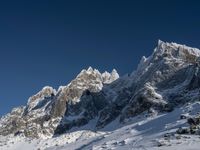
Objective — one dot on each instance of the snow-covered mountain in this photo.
(51, 111)
(96, 107)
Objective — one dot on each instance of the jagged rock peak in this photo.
(114, 74)
(166, 50)
(105, 76)
(90, 69)
(110, 77)
(173, 44)
(175, 50)
(45, 92)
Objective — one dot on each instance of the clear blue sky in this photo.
(48, 42)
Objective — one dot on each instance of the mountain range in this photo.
(164, 83)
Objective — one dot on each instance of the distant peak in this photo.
(173, 44)
(114, 74)
(160, 42)
(90, 69)
(106, 72)
(47, 88)
(172, 47)
(114, 71)
(110, 77)
(87, 71)
(161, 45)
(97, 71)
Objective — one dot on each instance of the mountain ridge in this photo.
(152, 87)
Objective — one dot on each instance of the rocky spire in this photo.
(114, 75)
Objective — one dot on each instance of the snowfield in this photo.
(144, 132)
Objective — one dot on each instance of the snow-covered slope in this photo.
(105, 111)
(143, 132)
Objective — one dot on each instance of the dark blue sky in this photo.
(46, 42)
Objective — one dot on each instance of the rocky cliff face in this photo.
(48, 110)
(166, 79)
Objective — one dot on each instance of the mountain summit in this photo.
(163, 81)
